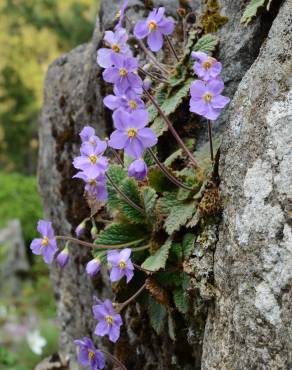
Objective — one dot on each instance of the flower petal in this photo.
(198, 89)
(118, 139)
(166, 26)
(134, 148)
(215, 86)
(147, 137)
(155, 40)
(141, 29)
(104, 59)
(219, 101)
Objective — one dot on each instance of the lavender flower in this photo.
(95, 184)
(91, 158)
(117, 42)
(87, 135)
(124, 75)
(45, 246)
(93, 267)
(109, 320)
(63, 257)
(120, 264)
(155, 26)
(80, 229)
(138, 169)
(131, 133)
(128, 102)
(88, 355)
(121, 14)
(206, 99)
(206, 67)
(147, 83)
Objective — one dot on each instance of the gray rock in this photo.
(249, 325)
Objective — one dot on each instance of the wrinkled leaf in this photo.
(158, 260)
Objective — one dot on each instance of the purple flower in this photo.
(124, 75)
(206, 99)
(109, 320)
(95, 184)
(91, 158)
(63, 257)
(93, 267)
(128, 102)
(121, 14)
(138, 169)
(147, 83)
(117, 42)
(80, 229)
(88, 355)
(131, 133)
(87, 135)
(206, 67)
(45, 246)
(120, 264)
(155, 26)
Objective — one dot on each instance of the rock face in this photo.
(249, 325)
(73, 98)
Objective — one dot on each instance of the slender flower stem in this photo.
(171, 128)
(123, 195)
(138, 249)
(116, 155)
(210, 140)
(92, 245)
(157, 78)
(142, 269)
(115, 360)
(172, 48)
(128, 301)
(166, 172)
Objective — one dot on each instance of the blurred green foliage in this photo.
(32, 34)
(19, 198)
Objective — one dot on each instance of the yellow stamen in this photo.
(152, 25)
(132, 132)
(93, 158)
(208, 63)
(109, 320)
(122, 264)
(45, 241)
(91, 355)
(123, 72)
(116, 48)
(92, 182)
(208, 97)
(118, 15)
(132, 104)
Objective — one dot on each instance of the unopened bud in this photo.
(93, 232)
(80, 229)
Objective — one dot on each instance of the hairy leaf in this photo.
(180, 300)
(167, 202)
(206, 43)
(149, 196)
(130, 188)
(117, 174)
(157, 314)
(158, 260)
(253, 9)
(116, 234)
(158, 180)
(188, 244)
(178, 217)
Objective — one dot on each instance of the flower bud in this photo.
(147, 83)
(138, 169)
(80, 229)
(93, 232)
(63, 258)
(93, 267)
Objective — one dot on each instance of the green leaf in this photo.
(176, 253)
(188, 245)
(158, 180)
(178, 217)
(173, 157)
(116, 234)
(157, 314)
(117, 174)
(159, 126)
(180, 300)
(129, 187)
(167, 202)
(149, 196)
(253, 9)
(169, 278)
(193, 34)
(158, 260)
(206, 43)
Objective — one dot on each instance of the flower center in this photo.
(118, 15)
(123, 72)
(91, 355)
(45, 241)
(122, 265)
(93, 158)
(132, 104)
(132, 132)
(208, 97)
(116, 48)
(109, 320)
(92, 182)
(152, 25)
(207, 64)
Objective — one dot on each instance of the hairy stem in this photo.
(123, 195)
(172, 48)
(157, 78)
(116, 155)
(164, 170)
(210, 140)
(171, 128)
(115, 360)
(128, 301)
(92, 245)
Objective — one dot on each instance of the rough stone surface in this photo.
(249, 325)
